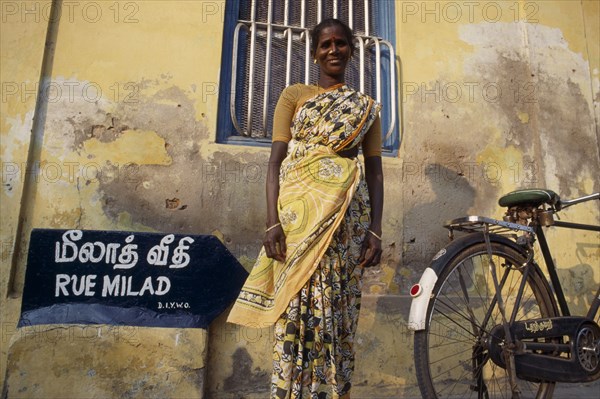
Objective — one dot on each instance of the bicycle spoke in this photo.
(446, 358)
(454, 342)
(458, 324)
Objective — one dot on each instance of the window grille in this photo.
(271, 50)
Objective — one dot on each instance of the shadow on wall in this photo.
(239, 359)
(578, 281)
(245, 375)
(424, 236)
(423, 231)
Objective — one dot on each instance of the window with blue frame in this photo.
(266, 47)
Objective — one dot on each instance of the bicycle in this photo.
(488, 323)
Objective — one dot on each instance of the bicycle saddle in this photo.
(531, 197)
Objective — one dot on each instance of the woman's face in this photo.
(333, 51)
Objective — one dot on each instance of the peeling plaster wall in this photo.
(490, 102)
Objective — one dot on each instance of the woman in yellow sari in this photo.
(324, 212)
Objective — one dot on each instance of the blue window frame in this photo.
(265, 48)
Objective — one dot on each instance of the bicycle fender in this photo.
(420, 303)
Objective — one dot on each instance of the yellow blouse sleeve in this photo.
(371, 145)
(284, 112)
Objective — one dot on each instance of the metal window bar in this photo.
(276, 31)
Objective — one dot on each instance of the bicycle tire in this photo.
(451, 356)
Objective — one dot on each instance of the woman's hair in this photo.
(327, 23)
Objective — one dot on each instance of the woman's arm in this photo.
(274, 240)
(371, 251)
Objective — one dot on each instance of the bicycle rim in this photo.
(452, 355)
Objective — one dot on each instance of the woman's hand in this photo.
(370, 255)
(274, 243)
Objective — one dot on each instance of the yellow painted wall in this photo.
(22, 38)
(495, 96)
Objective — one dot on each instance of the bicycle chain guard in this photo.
(541, 354)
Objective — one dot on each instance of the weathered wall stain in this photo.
(510, 95)
(543, 77)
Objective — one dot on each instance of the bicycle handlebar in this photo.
(567, 203)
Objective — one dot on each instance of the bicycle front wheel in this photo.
(452, 355)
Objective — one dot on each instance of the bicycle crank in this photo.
(561, 349)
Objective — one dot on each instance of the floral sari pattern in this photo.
(313, 297)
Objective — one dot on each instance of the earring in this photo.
(314, 61)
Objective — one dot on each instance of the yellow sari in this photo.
(316, 187)
(313, 297)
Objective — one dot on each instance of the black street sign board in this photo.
(127, 278)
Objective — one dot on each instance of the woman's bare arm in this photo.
(371, 251)
(274, 240)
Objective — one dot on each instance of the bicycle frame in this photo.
(421, 292)
(536, 228)
(552, 269)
